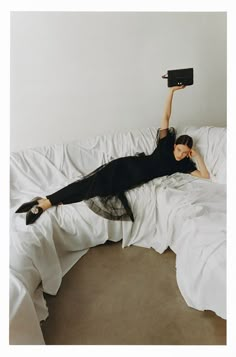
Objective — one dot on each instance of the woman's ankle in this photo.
(44, 203)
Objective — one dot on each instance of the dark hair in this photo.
(185, 140)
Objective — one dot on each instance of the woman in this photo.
(109, 182)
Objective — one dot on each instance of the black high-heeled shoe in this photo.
(28, 205)
(33, 214)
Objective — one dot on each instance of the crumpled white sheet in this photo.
(24, 324)
(195, 223)
(40, 254)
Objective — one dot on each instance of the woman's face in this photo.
(181, 151)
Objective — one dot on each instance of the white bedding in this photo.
(180, 211)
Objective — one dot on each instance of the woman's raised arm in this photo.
(168, 106)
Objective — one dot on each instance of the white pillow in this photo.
(211, 144)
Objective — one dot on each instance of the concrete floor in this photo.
(116, 296)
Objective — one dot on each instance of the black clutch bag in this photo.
(179, 77)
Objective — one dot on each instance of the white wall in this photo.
(76, 74)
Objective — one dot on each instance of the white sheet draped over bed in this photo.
(180, 211)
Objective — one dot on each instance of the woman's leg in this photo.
(74, 192)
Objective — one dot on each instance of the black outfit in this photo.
(104, 189)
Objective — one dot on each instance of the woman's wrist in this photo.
(197, 156)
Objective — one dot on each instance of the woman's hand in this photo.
(173, 89)
(193, 153)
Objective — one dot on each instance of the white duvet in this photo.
(180, 211)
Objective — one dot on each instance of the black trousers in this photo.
(78, 191)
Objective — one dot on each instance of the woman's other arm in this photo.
(202, 170)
